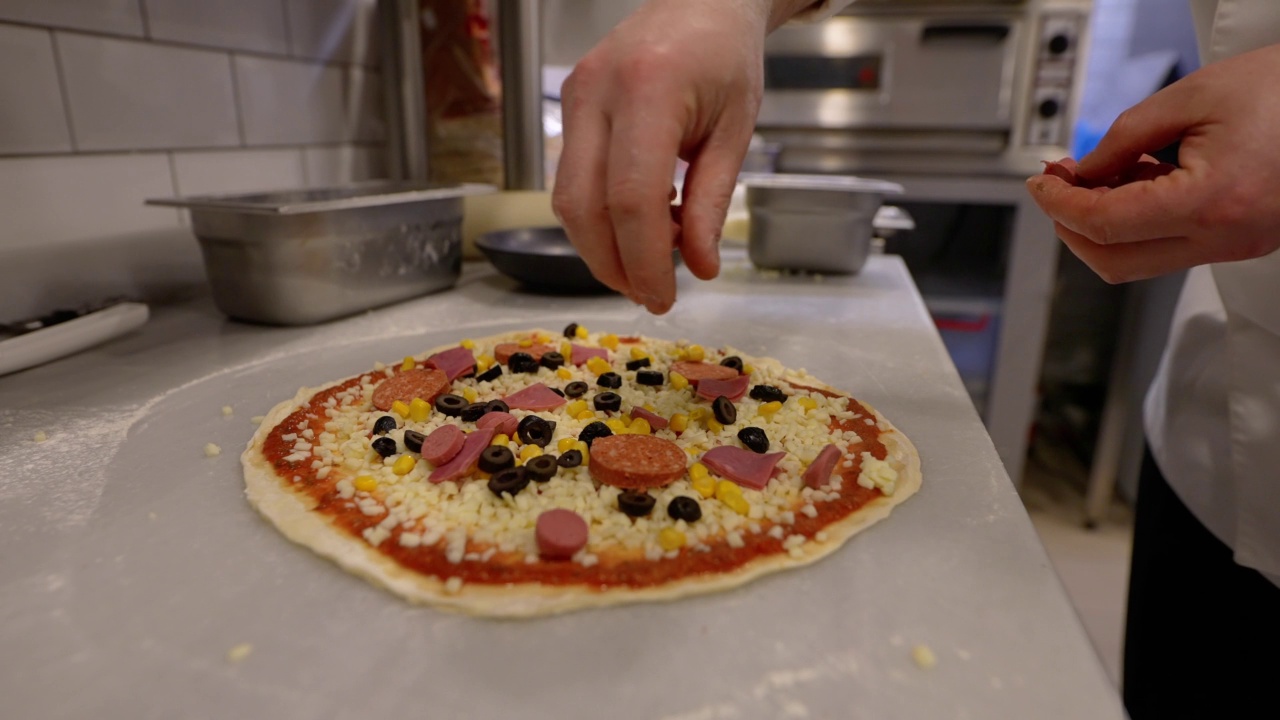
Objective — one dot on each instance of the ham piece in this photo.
(465, 461)
(819, 471)
(581, 355)
(502, 422)
(656, 421)
(455, 362)
(744, 467)
(535, 397)
(734, 389)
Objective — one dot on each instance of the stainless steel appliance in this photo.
(958, 101)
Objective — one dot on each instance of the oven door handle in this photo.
(992, 33)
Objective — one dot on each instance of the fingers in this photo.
(641, 162)
(1146, 127)
(708, 190)
(1135, 261)
(579, 196)
(1145, 210)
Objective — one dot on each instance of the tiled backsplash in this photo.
(104, 103)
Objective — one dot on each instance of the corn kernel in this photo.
(616, 425)
(470, 394)
(529, 452)
(484, 362)
(408, 364)
(565, 444)
(468, 343)
(581, 332)
(807, 403)
(698, 470)
(500, 439)
(769, 408)
(576, 407)
(542, 338)
(671, 539)
(637, 353)
(586, 455)
(650, 407)
(525, 342)
(714, 425)
(366, 483)
(610, 341)
(419, 410)
(748, 369)
(682, 354)
(737, 503)
(404, 465)
(400, 408)
(563, 373)
(585, 415)
(677, 381)
(696, 353)
(566, 349)
(639, 426)
(697, 413)
(705, 485)
(598, 365)
(679, 423)
(725, 488)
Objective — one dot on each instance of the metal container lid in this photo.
(839, 183)
(296, 202)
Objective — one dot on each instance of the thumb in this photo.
(708, 188)
(1154, 123)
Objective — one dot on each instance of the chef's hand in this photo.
(1221, 204)
(678, 78)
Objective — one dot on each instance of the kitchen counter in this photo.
(132, 565)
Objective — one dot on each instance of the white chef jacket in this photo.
(1212, 414)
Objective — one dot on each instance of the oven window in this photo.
(810, 72)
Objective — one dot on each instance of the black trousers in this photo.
(1202, 638)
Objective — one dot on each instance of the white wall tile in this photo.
(234, 24)
(334, 30)
(50, 200)
(330, 166)
(132, 95)
(32, 118)
(284, 101)
(116, 17)
(229, 171)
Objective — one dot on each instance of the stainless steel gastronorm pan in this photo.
(305, 256)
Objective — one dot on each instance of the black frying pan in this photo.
(540, 258)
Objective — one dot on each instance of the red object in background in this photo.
(977, 324)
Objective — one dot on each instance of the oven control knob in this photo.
(1048, 108)
(1059, 44)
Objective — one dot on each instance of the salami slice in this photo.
(697, 371)
(405, 386)
(442, 444)
(503, 351)
(636, 461)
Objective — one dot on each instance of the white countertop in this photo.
(132, 563)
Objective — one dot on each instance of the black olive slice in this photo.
(733, 361)
(522, 362)
(636, 503)
(493, 373)
(608, 401)
(495, 458)
(724, 409)
(649, 377)
(413, 440)
(474, 411)
(451, 404)
(533, 430)
(593, 431)
(384, 446)
(541, 468)
(571, 330)
(684, 508)
(637, 364)
(755, 439)
(511, 480)
(496, 406)
(768, 393)
(384, 425)
(551, 360)
(577, 388)
(610, 380)
(570, 459)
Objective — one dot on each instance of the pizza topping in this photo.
(465, 461)
(384, 446)
(607, 401)
(733, 361)
(733, 388)
(442, 444)
(413, 440)
(754, 439)
(522, 362)
(493, 373)
(684, 508)
(649, 377)
(503, 422)
(410, 384)
(636, 503)
(610, 380)
(552, 360)
(724, 410)
(636, 461)
(384, 425)
(542, 468)
(744, 467)
(474, 411)
(455, 362)
(641, 362)
(535, 397)
(533, 430)
(819, 471)
(577, 388)
(560, 534)
(571, 330)
(496, 406)
(768, 393)
(594, 431)
(671, 539)
(510, 481)
(697, 371)
(495, 458)
(656, 421)
(504, 351)
(579, 354)
(570, 459)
